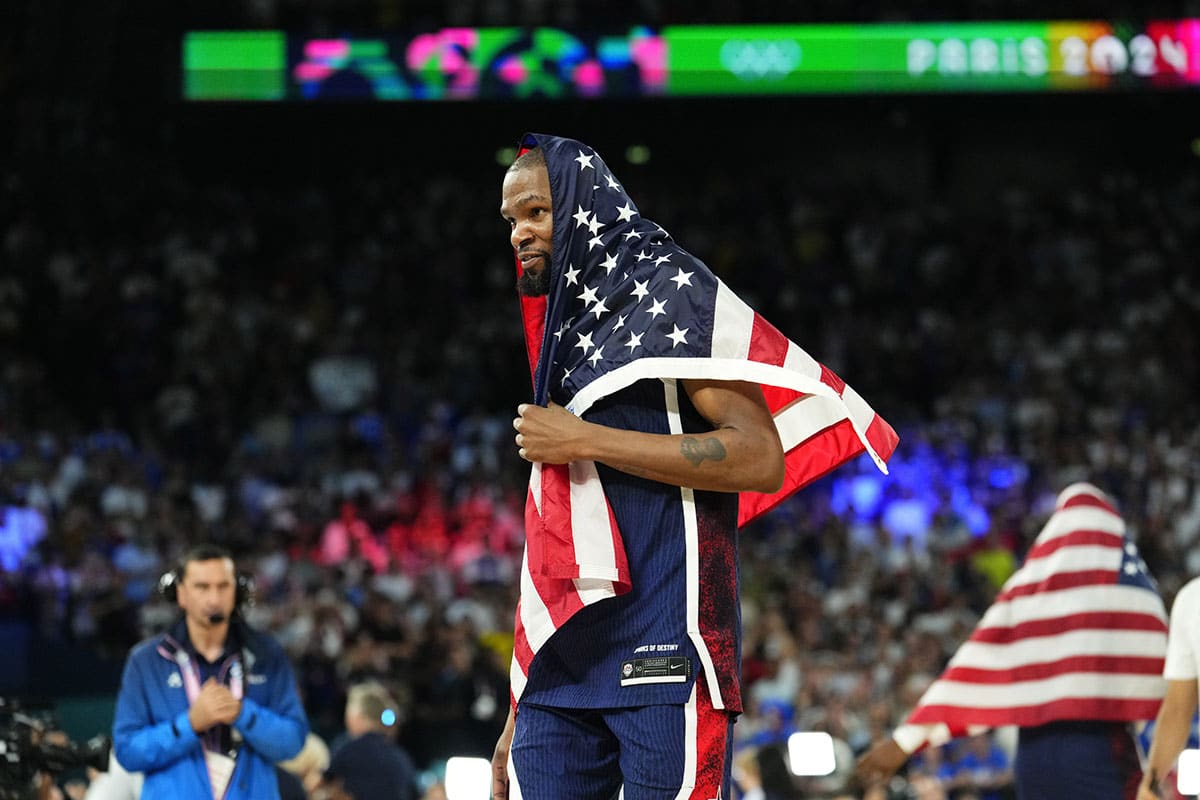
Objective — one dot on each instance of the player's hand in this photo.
(880, 762)
(550, 435)
(215, 705)
(500, 759)
(1148, 789)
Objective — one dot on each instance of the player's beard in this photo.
(534, 284)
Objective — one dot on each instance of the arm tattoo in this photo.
(696, 450)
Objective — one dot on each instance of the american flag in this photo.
(627, 303)
(1079, 632)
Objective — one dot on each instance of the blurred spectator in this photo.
(979, 769)
(747, 777)
(310, 763)
(370, 764)
(114, 784)
(993, 561)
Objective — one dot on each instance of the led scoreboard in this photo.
(693, 60)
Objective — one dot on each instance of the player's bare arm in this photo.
(500, 758)
(1170, 735)
(881, 762)
(742, 453)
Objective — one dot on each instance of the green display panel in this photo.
(1010, 56)
(239, 65)
(853, 58)
(521, 63)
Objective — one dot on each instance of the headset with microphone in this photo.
(243, 595)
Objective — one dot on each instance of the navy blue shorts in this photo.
(642, 753)
(1096, 760)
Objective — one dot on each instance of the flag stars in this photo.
(594, 225)
(639, 290)
(588, 295)
(609, 263)
(585, 341)
(1131, 568)
(620, 323)
(677, 336)
(595, 241)
(566, 374)
(612, 182)
(632, 235)
(596, 355)
(572, 275)
(657, 308)
(585, 161)
(682, 279)
(643, 256)
(1130, 549)
(635, 340)
(581, 217)
(599, 308)
(559, 333)
(658, 262)
(626, 212)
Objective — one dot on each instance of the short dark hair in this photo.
(531, 158)
(203, 552)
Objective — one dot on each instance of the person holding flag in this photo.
(1071, 651)
(665, 413)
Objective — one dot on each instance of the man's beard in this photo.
(534, 284)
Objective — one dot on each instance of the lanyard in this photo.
(190, 671)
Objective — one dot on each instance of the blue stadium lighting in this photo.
(922, 484)
(866, 492)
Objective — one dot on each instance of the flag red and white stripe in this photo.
(1079, 632)
(574, 555)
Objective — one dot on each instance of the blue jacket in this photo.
(151, 732)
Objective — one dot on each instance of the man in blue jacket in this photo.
(207, 708)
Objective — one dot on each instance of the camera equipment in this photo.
(29, 745)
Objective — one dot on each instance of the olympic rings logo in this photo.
(760, 60)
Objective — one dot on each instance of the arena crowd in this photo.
(320, 373)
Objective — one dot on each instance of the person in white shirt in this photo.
(1182, 671)
(115, 784)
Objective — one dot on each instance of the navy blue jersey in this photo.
(681, 619)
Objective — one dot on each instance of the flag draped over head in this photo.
(1079, 632)
(627, 303)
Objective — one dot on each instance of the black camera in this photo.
(29, 745)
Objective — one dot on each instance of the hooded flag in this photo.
(627, 303)
(1079, 632)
